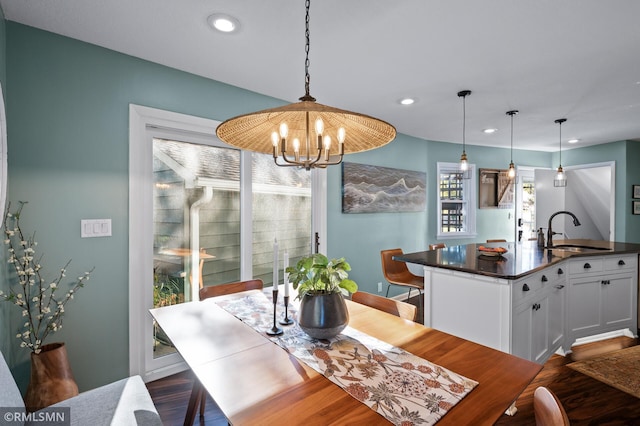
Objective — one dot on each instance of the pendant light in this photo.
(512, 169)
(561, 178)
(300, 134)
(464, 163)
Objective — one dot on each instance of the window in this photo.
(202, 213)
(456, 202)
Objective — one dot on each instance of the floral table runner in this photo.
(403, 388)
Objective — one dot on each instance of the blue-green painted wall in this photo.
(632, 222)
(67, 105)
(360, 237)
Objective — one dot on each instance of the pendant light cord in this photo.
(464, 122)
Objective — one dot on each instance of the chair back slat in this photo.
(391, 306)
(230, 288)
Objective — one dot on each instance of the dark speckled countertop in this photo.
(520, 260)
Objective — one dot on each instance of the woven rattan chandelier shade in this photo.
(306, 134)
(252, 131)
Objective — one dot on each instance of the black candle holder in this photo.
(275, 330)
(286, 320)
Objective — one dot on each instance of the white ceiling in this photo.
(550, 59)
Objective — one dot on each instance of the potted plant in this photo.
(320, 283)
(43, 302)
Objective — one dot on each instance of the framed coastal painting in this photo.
(635, 191)
(636, 207)
(495, 189)
(375, 189)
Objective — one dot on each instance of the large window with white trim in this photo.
(456, 202)
(203, 213)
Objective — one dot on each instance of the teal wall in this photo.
(632, 228)
(68, 106)
(360, 237)
(68, 103)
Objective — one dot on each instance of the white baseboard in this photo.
(603, 336)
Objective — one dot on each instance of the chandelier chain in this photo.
(307, 77)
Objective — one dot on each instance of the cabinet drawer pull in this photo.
(544, 279)
(525, 287)
(560, 271)
(587, 266)
(621, 262)
(606, 282)
(560, 286)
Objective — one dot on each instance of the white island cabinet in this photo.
(577, 298)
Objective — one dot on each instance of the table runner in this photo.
(403, 388)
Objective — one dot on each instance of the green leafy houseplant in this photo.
(42, 302)
(316, 274)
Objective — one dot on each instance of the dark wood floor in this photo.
(587, 401)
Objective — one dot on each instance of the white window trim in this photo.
(141, 119)
(469, 188)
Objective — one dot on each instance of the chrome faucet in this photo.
(550, 232)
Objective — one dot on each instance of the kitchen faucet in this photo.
(550, 232)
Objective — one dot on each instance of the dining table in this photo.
(257, 382)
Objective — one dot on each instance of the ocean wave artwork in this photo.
(375, 189)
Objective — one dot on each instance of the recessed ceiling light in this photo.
(223, 23)
(489, 131)
(573, 140)
(407, 101)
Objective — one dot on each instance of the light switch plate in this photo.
(90, 228)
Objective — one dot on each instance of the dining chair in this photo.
(437, 246)
(397, 273)
(497, 241)
(548, 409)
(198, 395)
(385, 304)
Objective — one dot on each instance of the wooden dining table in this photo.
(255, 381)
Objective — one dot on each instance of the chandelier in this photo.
(306, 134)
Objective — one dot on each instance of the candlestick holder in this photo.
(275, 330)
(286, 320)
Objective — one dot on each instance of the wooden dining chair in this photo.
(397, 273)
(391, 306)
(437, 246)
(497, 241)
(548, 409)
(198, 395)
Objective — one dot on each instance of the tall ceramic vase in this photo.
(323, 315)
(51, 378)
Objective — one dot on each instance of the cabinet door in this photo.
(540, 330)
(617, 300)
(584, 313)
(521, 338)
(531, 331)
(557, 303)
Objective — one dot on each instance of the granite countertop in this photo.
(521, 259)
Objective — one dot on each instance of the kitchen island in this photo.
(532, 301)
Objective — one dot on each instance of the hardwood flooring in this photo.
(586, 400)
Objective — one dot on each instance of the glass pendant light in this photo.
(512, 168)
(464, 163)
(560, 179)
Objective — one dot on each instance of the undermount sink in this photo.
(578, 248)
